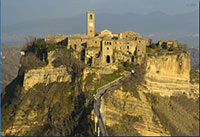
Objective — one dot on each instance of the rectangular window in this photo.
(90, 16)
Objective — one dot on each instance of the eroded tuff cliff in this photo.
(45, 75)
(169, 74)
(51, 101)
(47, 100)
(166, 103)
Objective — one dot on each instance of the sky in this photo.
(16, 11)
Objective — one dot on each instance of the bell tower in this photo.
(90, 23)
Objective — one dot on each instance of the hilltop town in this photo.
(104, 47)
(101, 83)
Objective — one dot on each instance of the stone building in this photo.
(97, 48)
(166, 44)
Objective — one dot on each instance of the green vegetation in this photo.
(66, 58)
(59, 107)
(154, 50)
(153, 46)
(178, 114)
(30, 61)
(10, 101)
(132, 119)
(131, 84)
(105, 79)
(194, 76)
(37, 131)
(125, 128)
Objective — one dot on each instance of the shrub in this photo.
(133, 82)
(153, 46)
(175, 113)
(194, 76)
(148, 50)
(30, 61)
(66, 58)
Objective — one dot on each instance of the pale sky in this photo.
(16, 11)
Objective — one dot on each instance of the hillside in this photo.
(10, 56)
(194, 57)
(53, 95)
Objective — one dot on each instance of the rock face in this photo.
(168, 74)
(127, 115)
(45, 75)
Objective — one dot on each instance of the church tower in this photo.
(90, 23)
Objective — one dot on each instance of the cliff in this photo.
(168, 74)
(158, 106)
(45, 75)
(57, 99)
(47, 100)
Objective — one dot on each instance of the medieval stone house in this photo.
(103, 47)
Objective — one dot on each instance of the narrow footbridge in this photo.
(99, 124)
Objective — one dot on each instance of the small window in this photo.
(90, 16)
(110, 43)
(115, 42)
(95, 41)
(75, 46)
(107, 48)
(127, 47)
(90, 30)
(105, 43)
(127, 42)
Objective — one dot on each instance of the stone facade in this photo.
(106, 47)
(166, 44)
(102, 47)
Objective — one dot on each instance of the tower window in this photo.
(90, 16)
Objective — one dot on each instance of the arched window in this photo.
(75, 46)
(107, 59)
(90, 16)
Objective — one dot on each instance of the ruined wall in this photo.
(55, 38)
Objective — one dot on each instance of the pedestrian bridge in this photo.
(99, 107)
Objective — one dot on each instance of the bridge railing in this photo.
(112, 82)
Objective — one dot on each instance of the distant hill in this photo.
(156, 25)
(194, 57)
(10, 56)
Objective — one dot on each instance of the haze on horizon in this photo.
(16, 11)
(166, 19)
